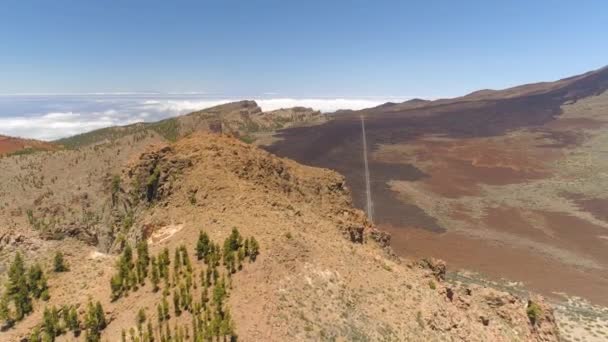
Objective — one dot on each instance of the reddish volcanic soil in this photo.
(11, 145)
(500, 261)
(459, 145)
(598, 207)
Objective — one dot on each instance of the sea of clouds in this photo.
(53, 116)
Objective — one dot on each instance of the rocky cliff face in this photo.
(246, 117)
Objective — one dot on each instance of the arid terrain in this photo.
(509, 187)
(323, 271)
(511, 183)
(12, 145)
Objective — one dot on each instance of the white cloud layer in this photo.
(53, 117)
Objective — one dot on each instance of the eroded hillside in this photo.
(323, 272)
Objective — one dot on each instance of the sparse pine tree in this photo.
(185, 258)
(116, 285)
(155, 275)
(246, 247)
(219, 292)
(140, 319)
(165, 308)
(204, 297)
(150, 332)
(72, 321)
(160, 313)
(254, 249)
(35, 335)
(5, 312)
(202, 246)
(127, 256)
(177, 263)
(59, 264)
(50, 323)
(17, 288)
(36, 281)
(143, 257)
(208, 276)
(226, 328)
(95, 322)
(176, 303)
(240, 258)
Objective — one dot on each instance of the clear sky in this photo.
(296, 48)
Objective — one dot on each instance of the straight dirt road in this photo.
(368, 192)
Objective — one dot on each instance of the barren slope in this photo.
(320, 275)
(508, 183)
(11, 145)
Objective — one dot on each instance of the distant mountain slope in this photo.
(508, 175)
(12, 145)
(242, 119)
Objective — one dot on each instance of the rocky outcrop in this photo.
(437, 267)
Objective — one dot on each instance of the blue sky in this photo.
(296, 48)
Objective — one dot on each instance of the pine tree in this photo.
(208, 276)
(246, 247)
(143, 258)
(35, 335)
(202, 246)
(140, 319)
(17, 288)
(116, 284)
(127, 256)
(204, 297)
(150, 332)
(164, 262)
(186, 260)
(36, 281)
(165, 308)
(72, 321)
(160, 313)
(155, 275)
(240, 258)
(176, 303)
(219, 292)
(177, 265)
(50, 323)
(226, 327)
(95, 322)
(5, 312)
(254, 249)
(59, 264)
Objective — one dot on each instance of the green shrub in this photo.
(59, 263)
(534, 312)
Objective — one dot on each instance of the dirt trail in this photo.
(368, 192)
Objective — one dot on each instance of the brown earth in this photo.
(10, 145)
(446, 166)
(320, 274)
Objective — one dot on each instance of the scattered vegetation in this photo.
(25, 151)
(168, 128)
(202, 296)
(115, 188)
(56, 322)
(22, 288)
